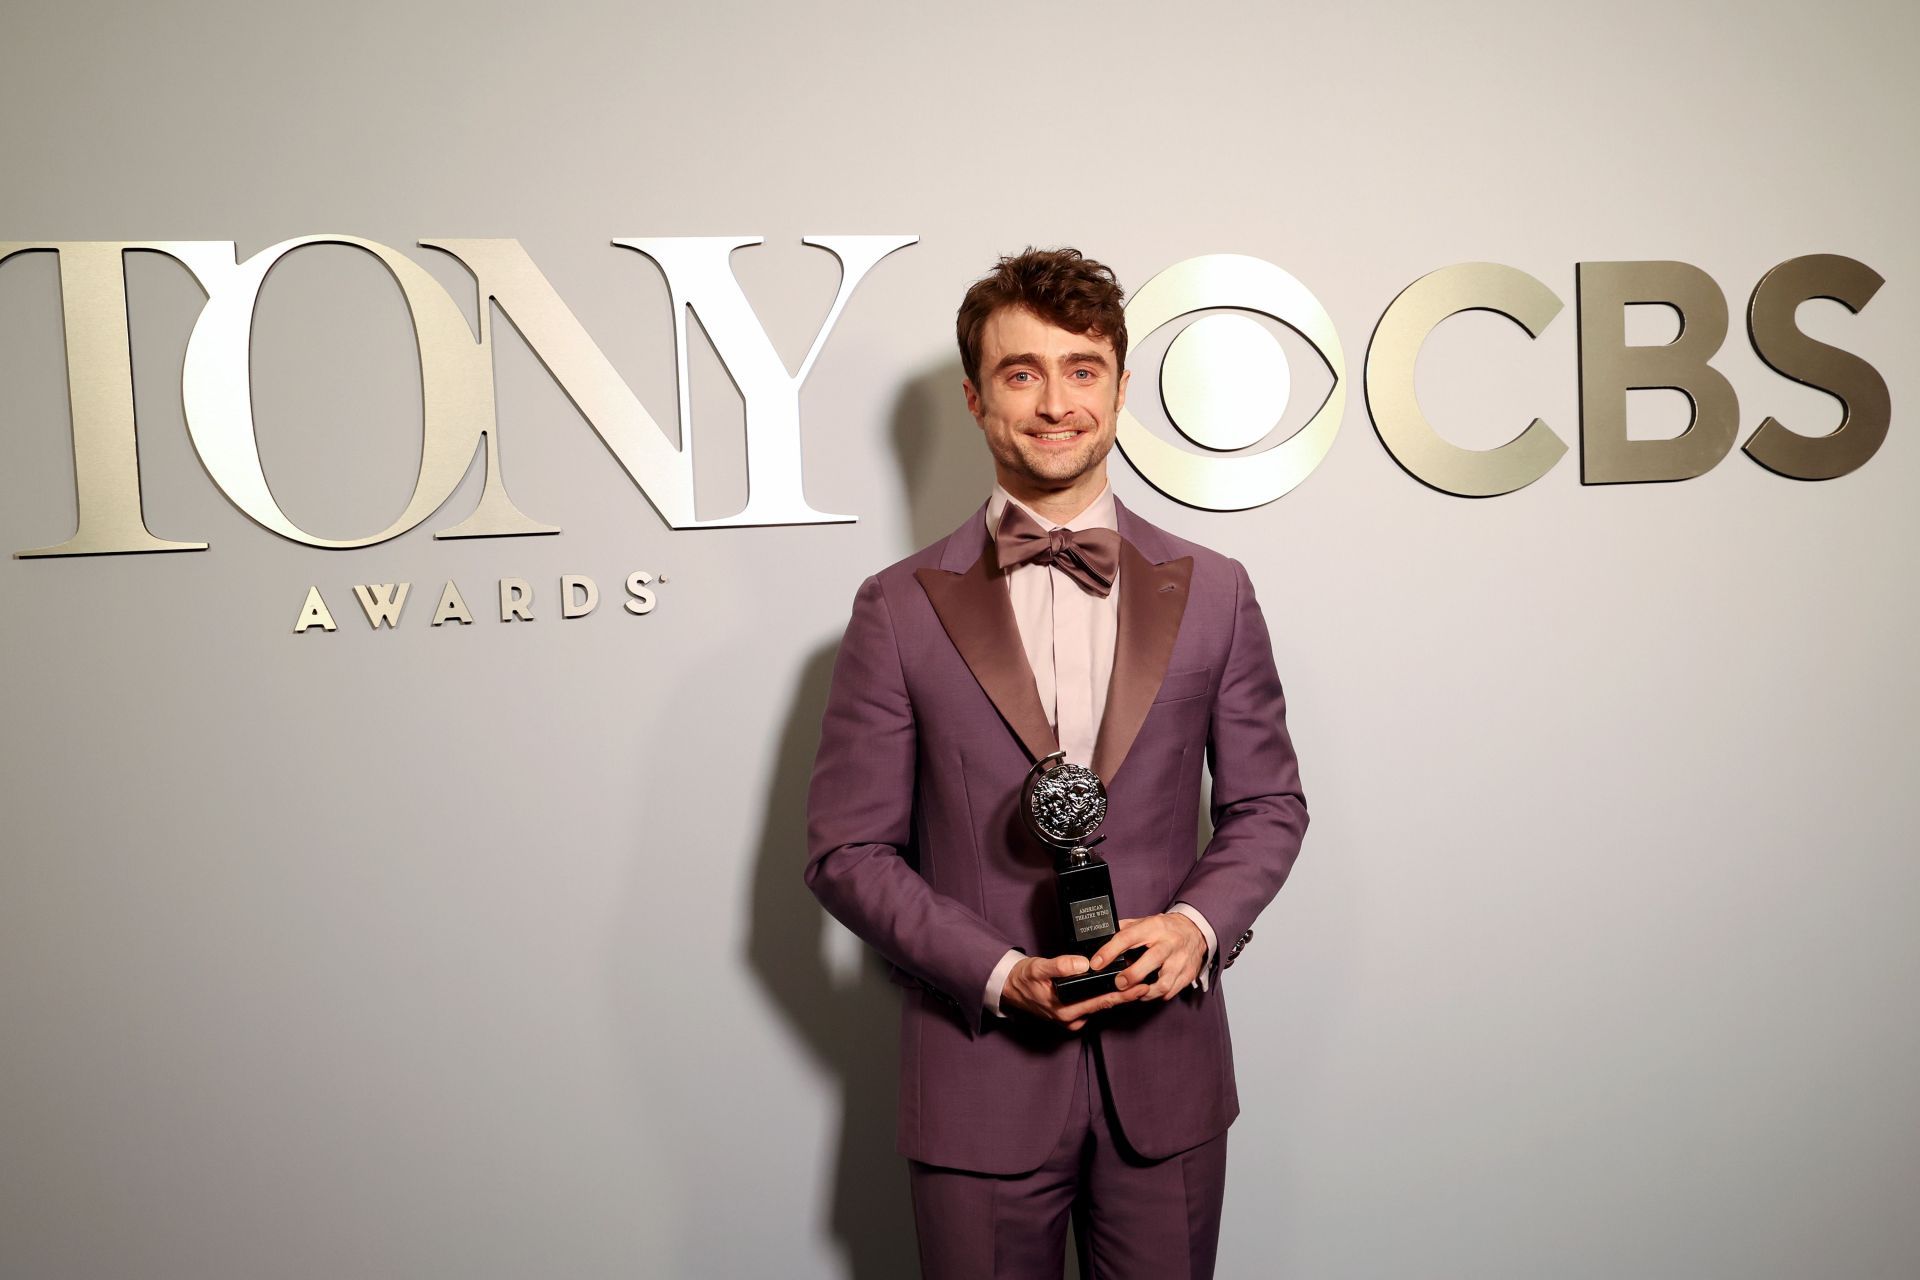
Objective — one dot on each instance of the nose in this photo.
(1055, 404)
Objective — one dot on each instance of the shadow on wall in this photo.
(945, 469)
(848, 1023)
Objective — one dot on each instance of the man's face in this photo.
(1048, 400)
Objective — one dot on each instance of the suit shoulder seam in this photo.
(893, 631)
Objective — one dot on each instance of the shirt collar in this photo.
(1098, 515)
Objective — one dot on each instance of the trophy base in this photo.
(1086, 986)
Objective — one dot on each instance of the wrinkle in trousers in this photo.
(1133, 1218)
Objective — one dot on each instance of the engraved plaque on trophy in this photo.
(1063, 805)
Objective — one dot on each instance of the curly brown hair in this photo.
(1062, 286)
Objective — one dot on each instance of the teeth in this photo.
(1058, 435)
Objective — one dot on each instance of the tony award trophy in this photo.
(1063, 805)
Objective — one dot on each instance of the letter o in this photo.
(456, 384)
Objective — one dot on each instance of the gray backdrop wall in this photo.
(482, 951)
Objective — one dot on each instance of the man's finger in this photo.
(1094, 1004)
(1125, 940)
(1177, 977)
(1137, 972)
(1171, 983)
(1080, 1010)
(1065, 966)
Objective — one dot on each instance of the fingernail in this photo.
(1120, 983)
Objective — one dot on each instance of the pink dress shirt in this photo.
(1068, 634)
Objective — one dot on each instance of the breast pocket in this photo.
(1181, 685)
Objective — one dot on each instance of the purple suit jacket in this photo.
(914, 843)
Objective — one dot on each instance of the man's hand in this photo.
(1029, 989)
(1175, 946)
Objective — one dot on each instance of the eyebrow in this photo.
(1032, 358)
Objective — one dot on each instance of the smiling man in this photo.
(1055, 619)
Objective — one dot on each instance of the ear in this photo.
(1120, 391)
(973, 397)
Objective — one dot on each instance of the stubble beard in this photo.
(1056, 469)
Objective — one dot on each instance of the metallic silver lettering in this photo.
(314, 613)
(579, 595)
(1395, 349)
(643, 601)
(1609, 368)
(383, 602)
(1866, 408)
(451, 607)
(516, 600)
(106, 457)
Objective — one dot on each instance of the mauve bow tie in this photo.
(1088, 556)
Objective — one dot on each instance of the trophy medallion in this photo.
(1063, 806)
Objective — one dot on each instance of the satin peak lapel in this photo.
(1153, 600)
(977, 612)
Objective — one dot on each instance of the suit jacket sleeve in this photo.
(860, 822)
(1259, 810)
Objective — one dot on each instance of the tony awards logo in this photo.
(1063, 805)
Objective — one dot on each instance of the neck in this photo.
(1057, 504)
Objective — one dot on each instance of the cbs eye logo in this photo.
(1224, 383)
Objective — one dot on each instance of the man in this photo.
(1055, 618)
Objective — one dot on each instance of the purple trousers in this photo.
(1133, 1218)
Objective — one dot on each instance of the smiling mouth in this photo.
(1057, 437)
